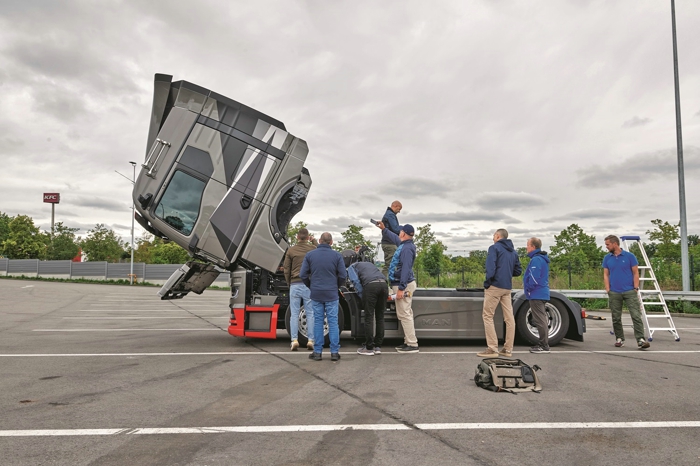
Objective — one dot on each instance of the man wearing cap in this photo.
(403, 282)
(391, 222)
(323, 271)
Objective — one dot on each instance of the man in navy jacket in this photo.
(403, 282)
(502, 264)
(536, 285)
(323, 271)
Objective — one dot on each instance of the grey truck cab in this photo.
(223, 181)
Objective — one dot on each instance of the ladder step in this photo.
(648, 279)
(658, 317)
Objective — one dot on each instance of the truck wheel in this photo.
(303, 329)
(558, 323)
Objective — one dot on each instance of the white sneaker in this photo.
(310, 345)
(295, 345)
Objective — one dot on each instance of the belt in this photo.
(378, 280)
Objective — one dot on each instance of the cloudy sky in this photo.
(475, 114)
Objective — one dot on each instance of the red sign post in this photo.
(53, 199)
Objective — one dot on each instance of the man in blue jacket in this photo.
(392, 223)
(403, 282)
(502, 264)
(323, 271)
(536, 285)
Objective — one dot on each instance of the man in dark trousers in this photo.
(370, 284)
(621, 277)
(323, 271)
(391, 222)
(536, 285)
(502, 264)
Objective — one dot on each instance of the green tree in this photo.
(4, 228)
(168, 253)
(424, 238)
(102, 244)
(574, 247)
(144, 249)
(24, 239)
(63, 244)
(433, 260)
(667, 238)
(293, 230)
(350, 238)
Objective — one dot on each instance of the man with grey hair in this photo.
(323, 271)
(502, 264)
(536, 286)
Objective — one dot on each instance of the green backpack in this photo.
(507, 375)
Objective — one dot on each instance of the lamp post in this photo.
(131, 274)
(679, 148)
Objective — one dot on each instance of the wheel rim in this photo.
(553, 318)
(303, 330)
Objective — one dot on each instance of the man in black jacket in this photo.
(370, 284)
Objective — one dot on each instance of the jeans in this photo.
(299, 292)
(330, 309)
(492, 297)
(632, 300)
(374, 297)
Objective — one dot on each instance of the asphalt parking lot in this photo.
(110, 375)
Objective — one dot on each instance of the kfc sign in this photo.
(53, 198)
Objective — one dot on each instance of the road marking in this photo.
(139, 317)
(361, 427)
(151, 310)
(299, 353)
(28, 286)
(127, 330)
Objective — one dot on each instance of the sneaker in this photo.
(538, 350)
(294, 345)
(488, 353)
(364, 351)
(310, 345)
(377, 350)
(335, 357)
(401, 346)
(315, 356)
(505, 353)
(620, 342)
(409, 349)
(643, 344)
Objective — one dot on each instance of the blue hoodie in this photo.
(391, 222)
(502, 264)
(536, 278)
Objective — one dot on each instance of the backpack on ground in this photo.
(507, 375)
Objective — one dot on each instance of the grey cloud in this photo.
(98, 203)
(639, 168)
(462, 217)
(585, 214)
(63, 105)
(636, 121)
(409, 188)
(509, 200)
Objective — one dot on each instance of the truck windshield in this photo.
(179, 206)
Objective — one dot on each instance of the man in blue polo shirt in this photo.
(621, 275)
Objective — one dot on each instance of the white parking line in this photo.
(139, 317)
(149, 310)
(126, 330)
(304, 353)
(360, 427)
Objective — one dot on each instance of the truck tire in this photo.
(303, 332)
(558, 323)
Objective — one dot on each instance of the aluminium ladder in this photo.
(650, 298)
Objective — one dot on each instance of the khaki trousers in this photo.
(492, 297)
(404, 312)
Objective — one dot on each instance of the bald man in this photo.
(391, 222)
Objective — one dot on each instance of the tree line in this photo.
(20, 238)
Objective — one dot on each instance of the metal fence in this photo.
(152, 273)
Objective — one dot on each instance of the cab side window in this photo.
(179, 206)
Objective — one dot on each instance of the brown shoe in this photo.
(488, 353)
(505, 353)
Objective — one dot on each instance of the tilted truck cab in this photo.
(223, 181)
